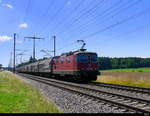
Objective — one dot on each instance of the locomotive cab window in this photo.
(27, 68)
(82, 59)
(68, 59)
(94, 59)
(62, 60)
(57, 61)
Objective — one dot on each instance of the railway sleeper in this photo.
(126, 101)
(146, 108)
(140, 105)
(113, 98)
(132, 103)
(125, 110)
(110, 97)
(104, 95)
(118, 100)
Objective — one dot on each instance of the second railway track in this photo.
(123, 87)
(129, 104)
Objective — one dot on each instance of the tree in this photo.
(130, 62)
(32, 60)
(1, 66)
(115, 63)
(104, 63)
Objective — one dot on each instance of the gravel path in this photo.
(70, 102)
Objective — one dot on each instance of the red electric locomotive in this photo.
(79, 65)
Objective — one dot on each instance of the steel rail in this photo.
(122, 87)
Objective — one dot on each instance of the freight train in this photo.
(79, 65)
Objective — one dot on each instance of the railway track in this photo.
(123, 87)
(128, 104)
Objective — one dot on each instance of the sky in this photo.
(111, 28)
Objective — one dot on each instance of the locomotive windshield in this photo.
(94, 59)
(85, 58)
(82, 58)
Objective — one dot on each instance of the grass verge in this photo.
(19, 97)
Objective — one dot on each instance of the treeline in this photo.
(1, 66)
(117, 63)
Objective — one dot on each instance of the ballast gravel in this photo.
(69, 102)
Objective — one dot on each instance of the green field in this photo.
(129, 70)
(19, 97)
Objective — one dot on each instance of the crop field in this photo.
(129, 70)
(19, 97)
(139, 79)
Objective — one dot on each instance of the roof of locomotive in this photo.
(78, 52)
(85, 52)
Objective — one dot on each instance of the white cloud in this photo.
(4, 38)
(23, 25)
(8, 6)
